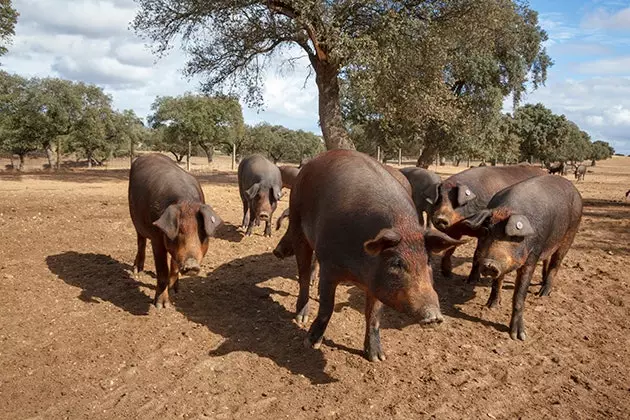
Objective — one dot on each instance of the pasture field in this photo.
(80, 339)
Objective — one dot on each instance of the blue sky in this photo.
(89, 40)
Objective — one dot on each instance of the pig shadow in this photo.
(231, 302)
(228, 232)
(100, 276)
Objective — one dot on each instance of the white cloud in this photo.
(617, 65)
(600, 106)
(89, 40)
(602, 19)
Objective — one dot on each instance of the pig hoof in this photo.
(518, 335)
(376, 356)
(544, 291)
(301, 319)
(493, 303)
(308, 343)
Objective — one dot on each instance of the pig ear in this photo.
(253, 190)
(169, 222)
(518, 225)
(386, 238)
(475, 221)
(211, 220)
(436, 241)
(464, 195)
(431, 194)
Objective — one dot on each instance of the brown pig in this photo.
(288, 175)
(167, 206)
(260, 185)
(362, 225)
(534, 220)
(465, 194)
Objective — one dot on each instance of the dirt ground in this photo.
(80, 339)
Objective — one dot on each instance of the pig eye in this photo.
(397, 263)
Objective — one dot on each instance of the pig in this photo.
(168, 207)
(465, 194)
(362, 225)
(536, 219)
(580, 171)
(556, 168)
(400, 178)
(423, 184)
(260, 185)
(288, 174)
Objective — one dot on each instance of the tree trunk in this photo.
(429, 153)
(58, 153)
(49, 155)
(12, 162)
(457, 161)
(593, 162)
(21, 162)
(330, 118)
(209, 152)
(89, 158)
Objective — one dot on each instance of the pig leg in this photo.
(552, 268)
(473, 277)
(327, 288)
(372, 343)
(523, 278)
(447, 266)
(314, 268)
(303, 256)
(138, 264)
(495, 294)
(173, 277)
(268, 227)
(161, 270)
(245, 209)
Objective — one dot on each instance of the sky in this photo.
(90, 40)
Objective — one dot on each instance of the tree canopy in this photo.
(8, 19)
(419, 64)
(206, 121)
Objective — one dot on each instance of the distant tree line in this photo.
(60, 118)
(213, 123)
(533, 134)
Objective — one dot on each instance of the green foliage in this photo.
(600, 150)
(279, 143)
(206, 121)
(445, 78)
(8, 19)
(420, 65)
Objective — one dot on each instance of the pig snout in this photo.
(190, 266)
(441, 222)
(431, 315)
(264, 216)
(490, 268)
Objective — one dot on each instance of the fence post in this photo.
(233, 155)
(399, 156)
(378, 153)
(188, 158)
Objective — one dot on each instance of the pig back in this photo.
(342, 199)
(258, 169)
(486, 181)
(155, 182)
(551, 203)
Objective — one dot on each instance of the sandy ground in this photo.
(80, 339)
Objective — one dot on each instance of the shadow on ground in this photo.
(232, 303)
(101, 277)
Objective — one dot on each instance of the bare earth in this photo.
(80, 339)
